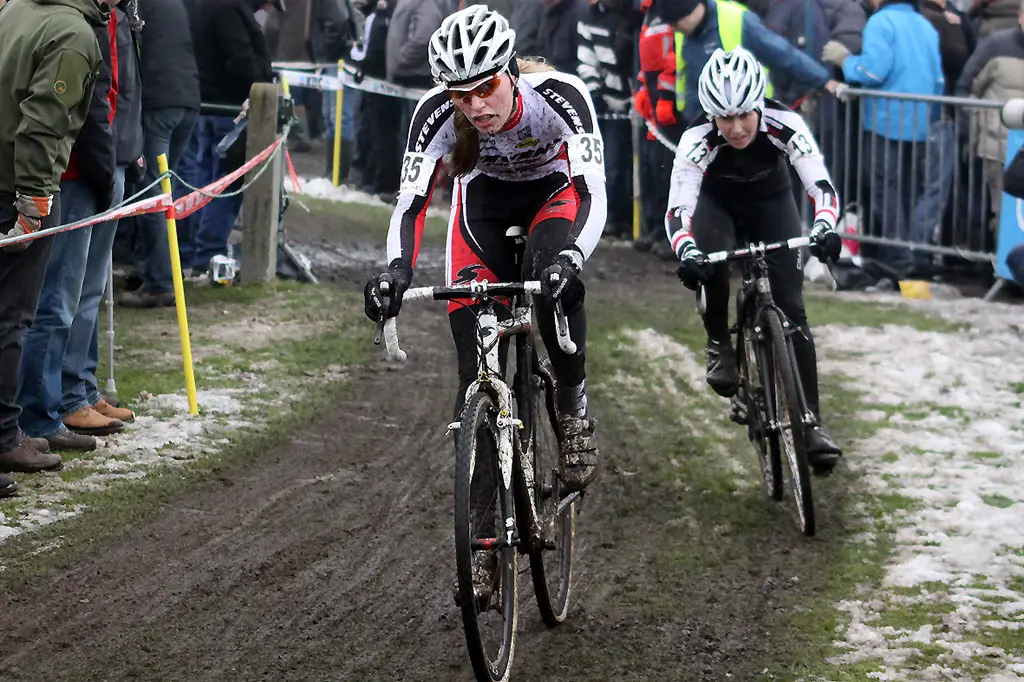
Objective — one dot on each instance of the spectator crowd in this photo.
(96, 90)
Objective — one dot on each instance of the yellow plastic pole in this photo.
(637, 136)
(179, 291)
(339, 102)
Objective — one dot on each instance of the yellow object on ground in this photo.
(912, 288)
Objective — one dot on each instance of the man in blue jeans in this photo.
(54, 396)
(170, 108)
(231, 54)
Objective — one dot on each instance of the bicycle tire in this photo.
(764, 440)
(552, 580)
(787, 413)
(479, 414)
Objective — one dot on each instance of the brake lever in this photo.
(385, 288)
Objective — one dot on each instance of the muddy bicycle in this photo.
(770, 400)
(508, 497)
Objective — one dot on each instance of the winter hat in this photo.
(674, 10)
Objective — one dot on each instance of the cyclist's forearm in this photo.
(591, 213)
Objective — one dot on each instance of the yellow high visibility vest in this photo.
(730, 32)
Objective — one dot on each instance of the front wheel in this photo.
(551, 564)
(485, 564)
(789, 416)
(754, 365)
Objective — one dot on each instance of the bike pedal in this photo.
(738, 412)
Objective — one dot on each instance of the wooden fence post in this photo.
(262, 201)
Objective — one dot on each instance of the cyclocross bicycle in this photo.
(770, 400)
(508, 498)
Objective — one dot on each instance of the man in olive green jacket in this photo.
(49, 58)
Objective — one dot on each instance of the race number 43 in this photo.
(416, 172)
(586, 154)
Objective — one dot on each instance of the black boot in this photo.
(722, 374)
(329, 158)
(348, 151)
(822, 452)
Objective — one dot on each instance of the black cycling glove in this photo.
(375, 302)
(826, 245)
(558, 277)
(694, 267)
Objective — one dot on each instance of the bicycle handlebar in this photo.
(388, 328)
(795, 243)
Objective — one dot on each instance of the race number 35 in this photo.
(416, 171)
(586, 154)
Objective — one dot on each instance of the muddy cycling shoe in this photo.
(822, 452)
(485, 566)
(722, 375)
(578, 448)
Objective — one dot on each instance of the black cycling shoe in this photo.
(822, 452)
(722, 375)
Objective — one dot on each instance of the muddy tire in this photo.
(792, 430)
(490, 627)
(551, 565)
(755, 369)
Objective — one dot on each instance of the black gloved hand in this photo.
(559, 276)
(825, 245)
(375, 302)
(694, 267)
(135, 171)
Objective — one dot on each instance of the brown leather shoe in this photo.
(40, 444)
(7, 486)
(89, 422)
(69, 440)
(121, 414)
(27, 460)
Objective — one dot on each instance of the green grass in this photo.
(365, 219)
(336, 339)
(830, 309)
(852, 548)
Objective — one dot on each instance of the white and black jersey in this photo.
(706, 163)
(553, 130)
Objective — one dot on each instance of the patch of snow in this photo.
(955, 448)
(680, 374)
(322, 188)
(145, 444)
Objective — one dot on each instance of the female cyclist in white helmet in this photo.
(729, 182)
(523, 143)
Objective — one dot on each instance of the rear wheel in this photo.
(754, 363)
(551, 563)
(489, 615)
(791, 427)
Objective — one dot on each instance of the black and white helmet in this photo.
(731, 83)
(471, 45)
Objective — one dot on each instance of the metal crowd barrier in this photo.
(924, 184)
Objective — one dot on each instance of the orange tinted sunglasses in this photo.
(483, 91)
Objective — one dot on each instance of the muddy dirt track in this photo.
(332, 558)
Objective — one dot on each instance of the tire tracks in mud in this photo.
(332, 559)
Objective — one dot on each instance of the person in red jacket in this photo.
(657, 106)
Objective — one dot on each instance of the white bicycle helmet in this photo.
(473, 44)
(731, 83)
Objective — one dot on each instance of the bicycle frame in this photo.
(755, 291)
(490, 331)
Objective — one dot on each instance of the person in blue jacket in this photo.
(702, 26)
(900, 55)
